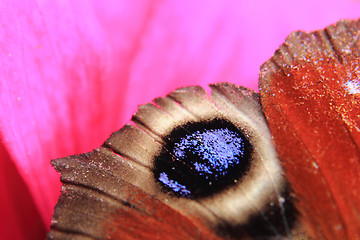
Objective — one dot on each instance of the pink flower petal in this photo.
(19, 217)
(74, 71)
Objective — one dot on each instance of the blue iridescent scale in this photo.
(202, 158)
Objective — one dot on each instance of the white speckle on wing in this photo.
(352, 86)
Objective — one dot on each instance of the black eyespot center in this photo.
(200, 159)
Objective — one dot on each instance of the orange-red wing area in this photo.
(310, 93)
(163, 222)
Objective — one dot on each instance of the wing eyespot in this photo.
(209, 158)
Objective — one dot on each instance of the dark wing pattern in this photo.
(118, 192)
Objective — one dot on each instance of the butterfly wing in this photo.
(113, 192)
(310, 92)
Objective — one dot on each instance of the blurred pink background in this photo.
(74, 71)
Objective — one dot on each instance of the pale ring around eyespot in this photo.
(233, 206)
